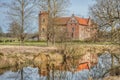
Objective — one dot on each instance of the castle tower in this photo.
(43, 22)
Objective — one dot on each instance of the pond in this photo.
(96, 72)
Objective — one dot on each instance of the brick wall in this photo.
(43, 22)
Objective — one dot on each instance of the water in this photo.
(97, 72)
(30, 73)
(104, 64)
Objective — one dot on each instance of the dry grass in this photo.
(112, 78)
(24, 49)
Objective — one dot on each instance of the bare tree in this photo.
(1, 31)
(14, 30)
(55, 8)
(22, 13)
(58, 8)
(107, 14)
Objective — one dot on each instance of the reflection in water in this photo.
(29, 73)
(32, 74)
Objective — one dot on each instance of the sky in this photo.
(80, 7)
(77, 7)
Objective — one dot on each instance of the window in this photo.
(72, 35)
(73, 29)
(43, 30)
(43, 20)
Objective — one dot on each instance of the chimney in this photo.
(73, 15)
(39, 12)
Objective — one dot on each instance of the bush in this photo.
(1, 41)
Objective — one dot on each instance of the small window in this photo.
(72, 35)
(43, 30)
(43, 20)
(73, 29)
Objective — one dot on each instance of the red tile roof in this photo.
(62, 20)
(82, 21)
(43, 13)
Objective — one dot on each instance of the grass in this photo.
(43, 43)
(90, 43)
(25, 43)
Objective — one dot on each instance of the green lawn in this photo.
(91, 43)
(25, 43)
(43, 43)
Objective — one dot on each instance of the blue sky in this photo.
(78, 7)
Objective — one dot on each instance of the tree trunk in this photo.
(22, 28)
(112, 64)
(22, 74)
(48, 37)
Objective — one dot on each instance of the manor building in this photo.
(76, 27)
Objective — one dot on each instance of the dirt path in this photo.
(24, 49)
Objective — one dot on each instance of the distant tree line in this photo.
(1, 31)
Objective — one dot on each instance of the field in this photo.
(25, 43)
(43, 43)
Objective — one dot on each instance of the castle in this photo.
(76, 27)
